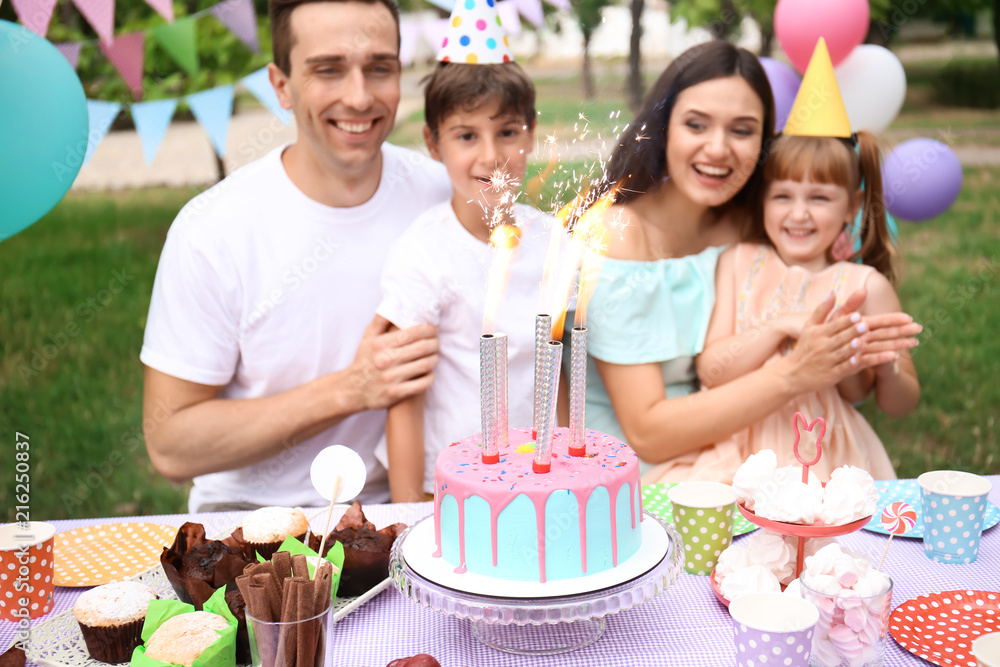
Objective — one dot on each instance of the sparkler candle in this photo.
(549, 386)
(578, 391)
(500, 399)
(543, 327)
(487, 396)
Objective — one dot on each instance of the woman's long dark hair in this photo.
(638, 166)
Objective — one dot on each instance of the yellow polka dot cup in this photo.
(26, 570)
(703, 515)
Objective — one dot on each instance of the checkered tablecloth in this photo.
(683, 627)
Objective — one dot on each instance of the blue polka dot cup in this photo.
(703, 515)
(954, 507)
(773, 629)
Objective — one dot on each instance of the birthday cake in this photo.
(503, 520)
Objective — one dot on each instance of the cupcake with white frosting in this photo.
(111, 618)
(265, 529)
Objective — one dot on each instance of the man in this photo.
(260, 347)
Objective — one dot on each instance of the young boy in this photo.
(480, 124)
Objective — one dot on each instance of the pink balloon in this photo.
(799, 24)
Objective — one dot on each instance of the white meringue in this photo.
(849, 495)
(785, 498)
(774, 552)
(794, 587)
(736, 557)
(755, 470)
(754, 579)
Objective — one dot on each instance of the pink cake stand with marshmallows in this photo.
(817, 528)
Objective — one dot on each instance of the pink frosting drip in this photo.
(460, 473)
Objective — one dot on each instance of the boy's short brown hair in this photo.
(460, 87)
(282, 39)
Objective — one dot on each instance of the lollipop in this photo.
(337, 473)
(897, 518)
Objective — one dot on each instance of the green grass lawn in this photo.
(75, 290)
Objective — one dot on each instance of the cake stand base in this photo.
(540, 625)
(539, 639)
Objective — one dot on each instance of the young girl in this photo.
(765, 291)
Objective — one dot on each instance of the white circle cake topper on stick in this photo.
(338, 474)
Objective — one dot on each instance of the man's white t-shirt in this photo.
(262, 289)
(437, 273)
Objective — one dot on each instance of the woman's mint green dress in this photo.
(643, 312)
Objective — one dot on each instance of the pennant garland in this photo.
(151, 121)
(164, 8)
(100, 116)
(71, 50)
(35, 15)
(531, 10)
(100, 14)
(241, 19)
(213, 108)
(178, 39)
(259, 84)
(126, 53)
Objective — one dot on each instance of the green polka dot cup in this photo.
(703, 515)
(954, 509)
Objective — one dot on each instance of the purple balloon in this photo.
(785, 85)
(921, 178)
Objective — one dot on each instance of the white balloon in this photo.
(338, 461)
(873, 84)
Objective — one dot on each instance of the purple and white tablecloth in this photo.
(685, 626)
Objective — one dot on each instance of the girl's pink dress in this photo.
(766, 287)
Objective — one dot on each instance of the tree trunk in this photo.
(587, 74)
(996, 25)
(635, 57)
(879, 33)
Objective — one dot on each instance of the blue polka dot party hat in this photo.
(475, 35)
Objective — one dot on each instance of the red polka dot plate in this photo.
(100, 554)
(940, 627)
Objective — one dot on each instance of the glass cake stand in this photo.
(540, 625)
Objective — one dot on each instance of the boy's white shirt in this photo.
(436, 273)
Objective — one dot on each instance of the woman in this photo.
(685, 177)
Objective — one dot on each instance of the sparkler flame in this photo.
(504, 240)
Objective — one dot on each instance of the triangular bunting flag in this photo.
(151, 122)
(241, 18)
(258, 84)
(818, 110)
(510, 18)
(100, 115)
(35, 14)
(126, 53)
(179, 41)
(408, 33)
(164, 8)
(434, 32)
(71, 50)
(560, 4)
(531, 10)
(213, 109)
(100, 14)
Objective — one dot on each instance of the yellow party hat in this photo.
(819, 110)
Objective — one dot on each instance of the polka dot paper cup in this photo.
(772, 629)
(703, 514)
(26, 570)
(954, 507)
